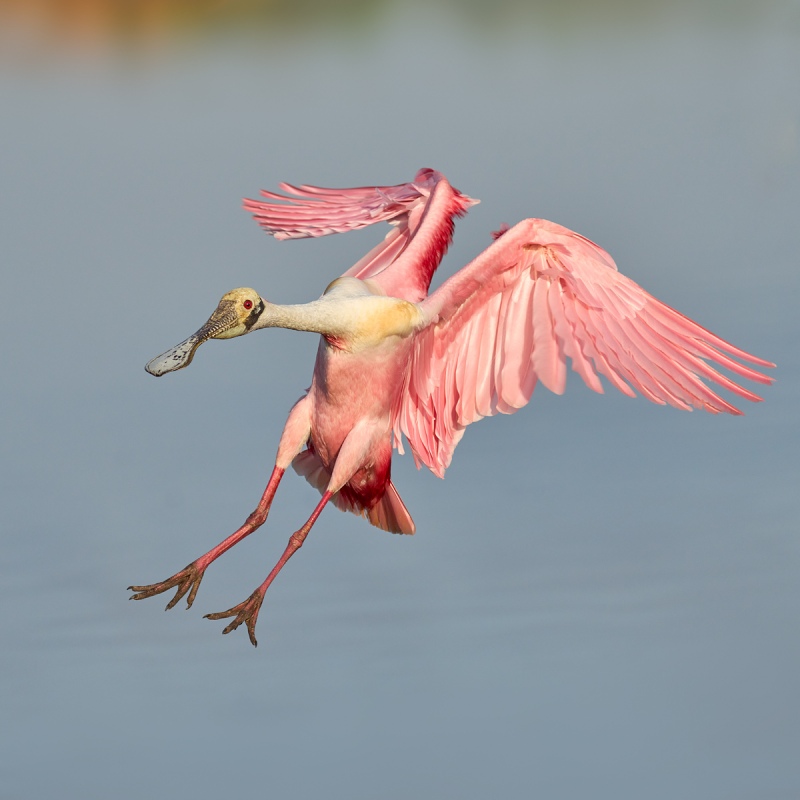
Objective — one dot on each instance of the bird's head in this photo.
(235, 315)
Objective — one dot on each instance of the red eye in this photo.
(248, 304)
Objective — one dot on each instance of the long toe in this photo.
(187, 580)
(246, 611)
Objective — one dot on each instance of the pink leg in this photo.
(359, 443)
(188, 579)
(293, 439)
(247, 611)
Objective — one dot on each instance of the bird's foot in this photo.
(187, 580)
(246, 611)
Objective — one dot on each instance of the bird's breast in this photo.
(350, 386)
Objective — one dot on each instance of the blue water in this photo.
(602, 598)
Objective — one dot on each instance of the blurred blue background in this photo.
(602, 599)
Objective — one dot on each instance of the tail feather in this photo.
(388, 514)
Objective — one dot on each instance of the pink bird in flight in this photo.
(396, 361)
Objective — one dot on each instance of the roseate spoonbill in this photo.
(394, 360)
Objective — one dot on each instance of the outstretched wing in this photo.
(539, 295)
(422, 215)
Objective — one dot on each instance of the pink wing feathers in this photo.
(539, 295)
(422, 215)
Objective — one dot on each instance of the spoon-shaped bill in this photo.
(176, 357)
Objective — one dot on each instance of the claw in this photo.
(187, 580)
(246, 611)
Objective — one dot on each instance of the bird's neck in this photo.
(350, 323)
(316, 317)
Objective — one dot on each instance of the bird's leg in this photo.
(247, 611)
(188, 579)
(293, 439)
(355, 450)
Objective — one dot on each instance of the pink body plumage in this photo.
(396, 362)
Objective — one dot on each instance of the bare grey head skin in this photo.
(237, 312)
